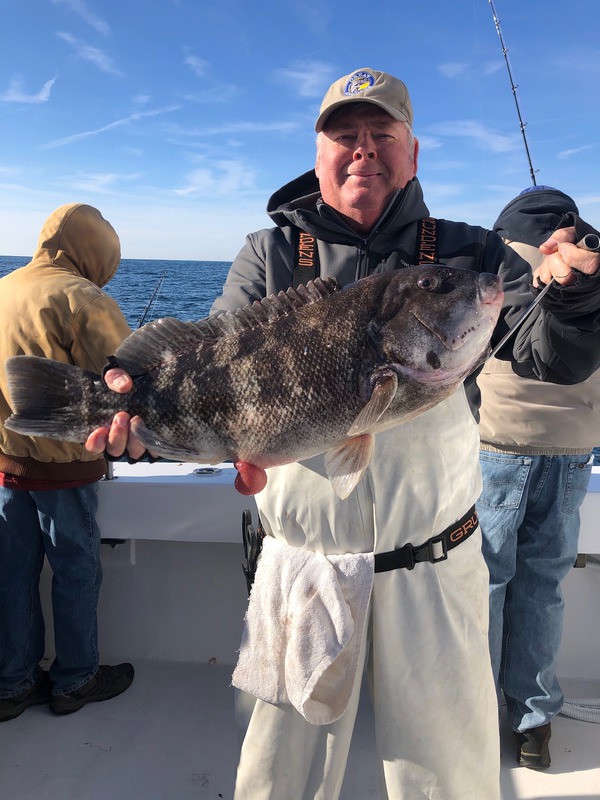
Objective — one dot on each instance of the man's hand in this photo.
(563, 259)
(118, 438)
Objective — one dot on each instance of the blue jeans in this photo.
(61, 525)
(529, 516)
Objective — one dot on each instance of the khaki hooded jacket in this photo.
(53, 307)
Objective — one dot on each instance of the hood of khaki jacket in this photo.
(78, 238)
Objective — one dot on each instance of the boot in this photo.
(39, 692)
(533, 751)
(107, 682)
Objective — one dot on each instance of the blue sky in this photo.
(179, 118)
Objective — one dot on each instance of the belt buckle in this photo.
(410, 551)
(441, 539)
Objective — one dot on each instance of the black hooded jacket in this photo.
(533, 215)
(560, 341)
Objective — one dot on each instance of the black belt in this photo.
(434, 549)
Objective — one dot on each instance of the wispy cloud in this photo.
(585, 61)
(445, 165)
(235, 128)
(223, 179)
(118, 123)
(590, 199)
(429, 143)
(102, 182)
(457, 69)
(81, 9)
(90, 53)
(491, 67)
(486, 138)
(307, 78)
(15, 93)
(220, 93)
(573, 151)
(197, 65)
(452, 69)
(437, 191)
(314, 14)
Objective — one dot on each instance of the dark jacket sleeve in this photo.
(245, 280)
(264, 266)
(560, 340)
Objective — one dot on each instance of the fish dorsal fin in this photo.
(165, 338)
(272, 307)
(158, 341)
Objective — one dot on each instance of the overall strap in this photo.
(433, 550)
(306, 251)
(427, 242)
(306, 257)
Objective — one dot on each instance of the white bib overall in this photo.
(425, 645)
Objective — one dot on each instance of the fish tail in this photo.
(56, 400)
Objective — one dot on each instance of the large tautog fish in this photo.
(316, 369)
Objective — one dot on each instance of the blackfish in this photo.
(317, 369)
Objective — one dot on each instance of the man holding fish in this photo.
(415, 616)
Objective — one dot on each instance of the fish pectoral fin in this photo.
(346, 464)
(383, 393)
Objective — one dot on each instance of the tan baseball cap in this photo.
(367, 86)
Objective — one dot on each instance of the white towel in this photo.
(303, 629)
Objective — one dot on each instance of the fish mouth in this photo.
(476, 325)
(481, 328)
(437, 374)
(435, 377)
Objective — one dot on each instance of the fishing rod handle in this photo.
(590, 242)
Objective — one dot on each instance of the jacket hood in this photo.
(78, 238)
(533, 215)
(299, 203)
(302, 192)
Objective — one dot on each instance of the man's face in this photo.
(364, 156)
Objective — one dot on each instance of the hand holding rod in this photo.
(590, 242)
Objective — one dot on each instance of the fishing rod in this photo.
(514, 87)
(591, 243)
(109, 475)
(153, 297)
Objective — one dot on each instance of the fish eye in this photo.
(428, 282)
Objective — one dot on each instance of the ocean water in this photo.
(182, 289)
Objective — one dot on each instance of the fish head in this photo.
(435, 322)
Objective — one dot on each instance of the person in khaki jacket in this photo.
(536, 443)
(53, 308)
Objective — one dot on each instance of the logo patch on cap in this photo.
(359, 82)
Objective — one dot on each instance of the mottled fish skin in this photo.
(283, 380)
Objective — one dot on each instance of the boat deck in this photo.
(172, 602)
(172, 736)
